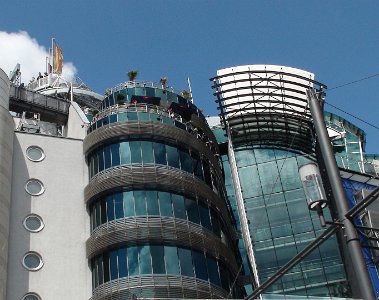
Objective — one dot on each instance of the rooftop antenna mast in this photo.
(189, 87)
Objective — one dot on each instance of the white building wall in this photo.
(61, 243)
(6, 149)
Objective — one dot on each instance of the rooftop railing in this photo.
(23, 95)
(133, 84)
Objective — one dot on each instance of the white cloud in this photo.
(19, 47)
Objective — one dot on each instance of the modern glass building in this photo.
(160, 226)
(269, 136)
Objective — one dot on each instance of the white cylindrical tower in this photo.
(6, 153)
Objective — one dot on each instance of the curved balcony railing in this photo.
(140, 176)
(132, 84)
(139, 230)
(158, 286)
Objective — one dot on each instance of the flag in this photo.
(57, 59)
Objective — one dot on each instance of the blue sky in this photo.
(336, 40)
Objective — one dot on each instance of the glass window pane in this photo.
(124, 153)
(152, 203)
(110, 208)
(122, 263)
(95, 162)
(160, 153)
(128, 204)
(97, 214)
(214, 276)
(192, 210)
(100, 270)
(113, 264)
(113, 118)
(147, 152)
(133, 260)
(103, 207)
(145, 259)
(157, 256)
(101, 158)
(204, 215)
(106, 267)
(140, 203)
(172, 156)
(132, 116)
(185, 262)
(200, 265)
(143, 116)
(107, 156)
(121, 117)
(172, 260)
(165, 204)
(135, 149)
(115, 148)
(118, 205)
(179, 208)
(185, 161)
(215, 223)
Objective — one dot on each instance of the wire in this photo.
(352, 82)
(351, 115)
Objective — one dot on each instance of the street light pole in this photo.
(352, 240)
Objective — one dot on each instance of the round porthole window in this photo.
(35, 153)
(31, 296)
(34, 187)
(32, 261)
(33, 223)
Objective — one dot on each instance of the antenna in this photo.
(189, 87)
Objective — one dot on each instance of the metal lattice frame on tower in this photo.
(266, 104)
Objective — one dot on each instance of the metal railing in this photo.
(23, 95)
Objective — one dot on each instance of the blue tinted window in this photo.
(152, 203)
(143, 116)
(100, 270)
(125, 153)
(200, 265)
(185, 262)
(113, 264)
(115, 149)
(121, 117)
(122, 263)
(97, 215)
(147, 152)
(128, 204)
(185, 161)
(103, 208)
(110, 208)
(95, 163)
(172, 156)
(133, 260)
(145, 259)
(107, 156)
(204, 215)
(101, 158)
(214, 276)
(132, 116)
(192, 211)
(165, 204)
(135, 149)
(157, 256)
(140, 203)
(179, 208)
(215, 224)
(113, 118)
(118, 205)
(172, 260)
(160, 153)
(106, 267)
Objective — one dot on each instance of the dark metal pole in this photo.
(352, 240)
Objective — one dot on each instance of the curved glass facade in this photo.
(137, 202)
(148, 152)
(265, 114)
(155, 203)
(158, 259)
